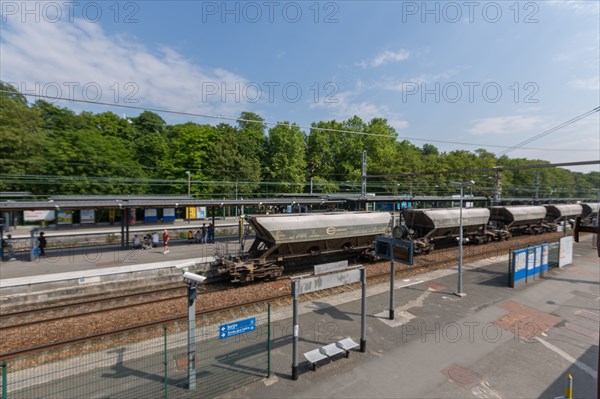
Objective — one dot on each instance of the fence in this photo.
(152, 368)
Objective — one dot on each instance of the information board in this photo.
(237, 328)
(400, 251)
(565, 251)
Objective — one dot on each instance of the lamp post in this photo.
(187, 208)
(192, 280)
(189, 175)
(459, 292)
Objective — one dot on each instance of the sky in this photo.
(459, 75)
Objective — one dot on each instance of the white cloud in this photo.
(385, 57)
(348, 105)
(61, 58)
(587, 84)
(577, 6)
(422, 79)
(504, 125)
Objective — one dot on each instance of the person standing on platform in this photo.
(155, 240)
(166, 240)
(42, 244)
(211, 233)
(204, 233)
(8, 244)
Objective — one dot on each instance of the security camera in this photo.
(193, 278)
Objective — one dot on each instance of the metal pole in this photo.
(127, 213)
(364, 175)
(392, 276)
(363, 310)
(537, 185)
(4, 382)
(191, 337)
(295, 332)
(166, 363)
(460, 245)
(123, 229)
(241, 234)
(269, 340)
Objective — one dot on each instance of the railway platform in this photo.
(496, 342)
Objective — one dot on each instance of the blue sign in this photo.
(237, 328)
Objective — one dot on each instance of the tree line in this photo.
(48, 149)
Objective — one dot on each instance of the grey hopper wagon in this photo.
(441, 223)
(561, 212)
(426, 225)
(523, 219)
(293, 240)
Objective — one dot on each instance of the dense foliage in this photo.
(48, 149)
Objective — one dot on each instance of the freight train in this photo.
(295, 240)
(288, 241)
(480, 225)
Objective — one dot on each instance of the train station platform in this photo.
(497, 342)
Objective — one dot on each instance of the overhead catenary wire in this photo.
(286, 124)
(549, 131)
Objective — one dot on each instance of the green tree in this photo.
(23, 142)
(287, 158)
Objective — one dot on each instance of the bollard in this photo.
(569, 388)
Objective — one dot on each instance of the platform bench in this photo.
(330, 350)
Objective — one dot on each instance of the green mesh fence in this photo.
(154, 367)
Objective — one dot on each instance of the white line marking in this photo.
(584, 367)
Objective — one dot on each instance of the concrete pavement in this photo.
(495, 342)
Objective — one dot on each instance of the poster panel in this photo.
(565, 251)
(190, 212)
(87, 216)
(38, 216)
(168, 214)
(530, 263)
(520, 266)
(64, 217)
(150, 215)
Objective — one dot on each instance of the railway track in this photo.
(267, 292)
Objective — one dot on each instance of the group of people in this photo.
(206, 235)
(203, 236)
(39, 246)
(146, 242)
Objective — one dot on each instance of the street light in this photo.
(459, 292)
(189, 175)
(192, 280)
(187, 208)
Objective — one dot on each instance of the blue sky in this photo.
(481, 73)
